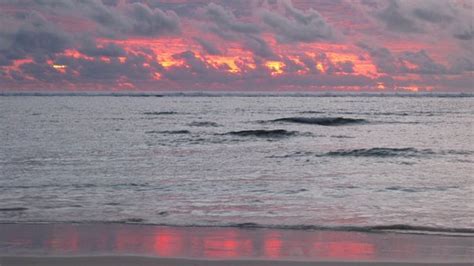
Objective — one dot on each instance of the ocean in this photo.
(342, 161)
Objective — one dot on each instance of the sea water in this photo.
(307, 161)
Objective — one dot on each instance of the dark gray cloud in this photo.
(40, 31)
(259, 46)
(110, 2)
(445, 19)
(226, 26)
(298, 26)
(113, 70)
(35, 28)
(104, 15)
(134, 18)
(146, 21)
(291, 66)
(397, 20)
(110, 73)
(455, 19)
(193, 63)
(423, 62)
(131, 18)
(208, 46)
(346, 67)
(462, 64)
(432, 15)
(226, 21)
(41, 72)
(197, 73)
(385, 61)
(90, 48)
(32, 36)
(413, 62)
(466, 34)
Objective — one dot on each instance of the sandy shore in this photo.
(125, 244)
(145, 261)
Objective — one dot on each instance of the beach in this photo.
(182, 180)
(128, 244)
(145, 261)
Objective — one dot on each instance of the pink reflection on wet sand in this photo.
(168, 243)
(345, 250)
(228, 243)
(272, 245)
(64, 239)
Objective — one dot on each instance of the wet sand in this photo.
(125, 244)
(147, 261)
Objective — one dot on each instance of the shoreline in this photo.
(375, 229)
(131, 244)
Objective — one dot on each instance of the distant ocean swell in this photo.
(281, 133)
(160, 113)
(318, 121)
(150, 187)
(380, 152)
(377, 152)
(237, 94)
(416, 113)
(322, 121)
(171, 132)
(276, 133)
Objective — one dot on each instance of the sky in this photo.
(237, 45)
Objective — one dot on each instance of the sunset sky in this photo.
(237, 45)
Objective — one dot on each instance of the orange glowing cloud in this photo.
(276, 67)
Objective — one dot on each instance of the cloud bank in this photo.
(247, 45)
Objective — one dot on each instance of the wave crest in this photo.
(381, 228)
(171, 132)
(203, 124)
(374, 228)
(160, 113)
(322, 121)
(380, 152)
(261, 133)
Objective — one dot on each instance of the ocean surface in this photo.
(344, 161)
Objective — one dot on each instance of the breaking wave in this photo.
(277, 133)
(401, 228)
(322, 121)
(13, 209)
(312, 112)
(419, 189)
(457, 152)
(380, 152)
(203, 124)
(160, 113)
(171, 132)
(388, 228)
(374, 152)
